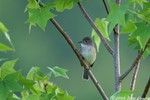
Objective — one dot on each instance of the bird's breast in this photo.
(89, 54)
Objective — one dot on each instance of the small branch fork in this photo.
(116, 54)
(136, 62)
(68, 39)
(138, 57)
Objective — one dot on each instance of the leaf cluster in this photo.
(40, 13)
(35, 86)
(133, 17)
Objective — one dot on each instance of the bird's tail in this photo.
(85, 74)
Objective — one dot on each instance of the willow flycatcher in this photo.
(88, 52)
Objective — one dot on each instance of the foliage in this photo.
(36, 86)
(124, 94)
(102, 25)
(40, 13)
(4, 47)
(133, 17)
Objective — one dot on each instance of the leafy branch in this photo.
(68, 39)
(116, 56)
(34, 86)
(115, 21)
(95, 28)
(135, 63)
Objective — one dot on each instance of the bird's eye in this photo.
(86, 41)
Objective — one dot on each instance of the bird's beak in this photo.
(80, 42)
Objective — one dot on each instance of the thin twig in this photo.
(68, 39)
(106, 7)
(107, 10)
(146, 89)
(95, 28)
(134, 76)
(138, 57)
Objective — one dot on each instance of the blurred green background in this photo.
(49, 48)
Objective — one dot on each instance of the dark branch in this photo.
(107, 10)
(106, 7)
(95, 28)
(134, 76)
(138, 57)
(146, 89)
(68, 39)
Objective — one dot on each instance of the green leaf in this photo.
(13, 96)
(11, 82)
(65, 97)
(116, 15)
(57, 71)
(140, 2)
(45, 96)
(7, 84)
(101, 24)
(24, 95)
(124, 94)
(61, 5)
(3, 47)
(3, 28)
(36, 73)
(40, 16)
(144, 14)
(141, 35)
(4, 91)
(32, 4)
(8, 68)
(27, 83)
(130, 27)
(96, 39)
(33, 97)
(5, 31)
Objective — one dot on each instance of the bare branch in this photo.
(116, 55)
(138, 57)
(106, 7)
(95, 28)
(68, 39)
(117, 83)
(134, 76)
(146, 89)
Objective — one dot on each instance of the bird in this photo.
(88, 52)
